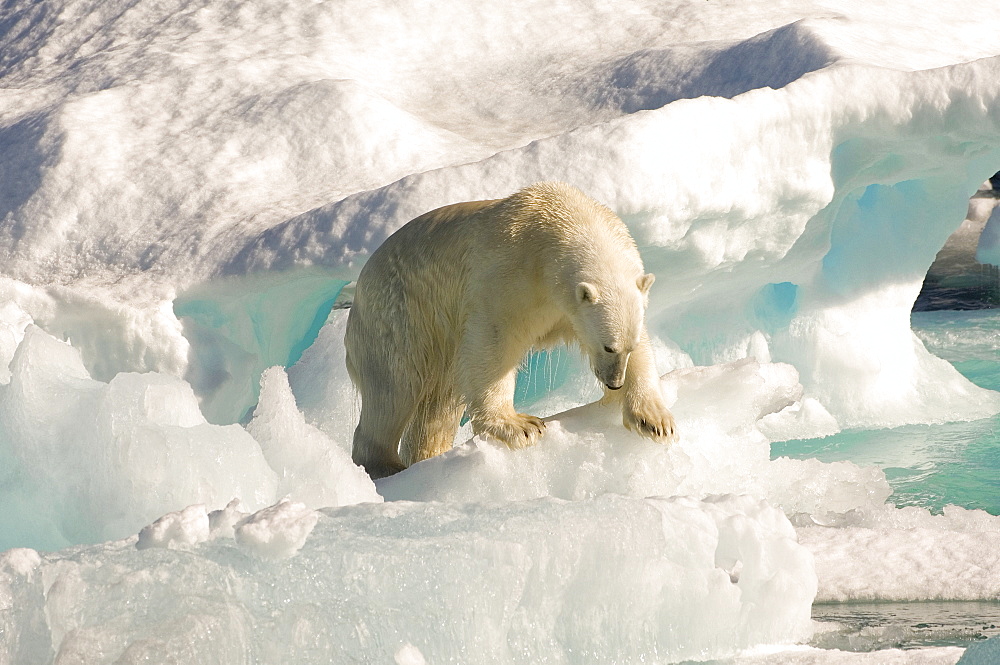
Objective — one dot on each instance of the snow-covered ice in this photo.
(810, 656)
(503, 582)
(587, 453)
(906, 554)
(187, 189)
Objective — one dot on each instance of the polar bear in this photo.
(447, 307)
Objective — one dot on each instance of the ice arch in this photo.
(854, 315)
(837, 304)
(852, 320)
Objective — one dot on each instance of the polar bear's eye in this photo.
(608, 349)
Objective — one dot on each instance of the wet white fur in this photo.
(446, 309)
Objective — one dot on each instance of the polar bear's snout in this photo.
(611, 372)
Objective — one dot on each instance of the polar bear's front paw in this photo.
(650, 419)
(518, 431)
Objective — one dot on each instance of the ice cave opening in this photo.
(955, 317)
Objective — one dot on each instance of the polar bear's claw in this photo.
(520, 431)
(656, 423)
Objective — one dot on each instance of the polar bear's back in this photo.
(427, 255)
(419, 286)
(536, 221)
(411, 294)
(559, 219)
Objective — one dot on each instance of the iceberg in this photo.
(188, 189)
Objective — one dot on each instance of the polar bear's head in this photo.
(609, 324)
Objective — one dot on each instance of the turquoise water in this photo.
(933, 465)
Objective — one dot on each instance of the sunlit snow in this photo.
(188, 188)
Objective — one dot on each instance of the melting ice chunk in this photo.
(313, 468)
(89, 461)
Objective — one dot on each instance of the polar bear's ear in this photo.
(586, 292)
(645, 282)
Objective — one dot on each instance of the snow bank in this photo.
(518, 582)
(810, 656)
(814, 259)
(765, 245)
(788, 174)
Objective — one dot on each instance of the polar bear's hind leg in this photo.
(387, 406)
(432, 428)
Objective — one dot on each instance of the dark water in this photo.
(873, 626)
(976, 288)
